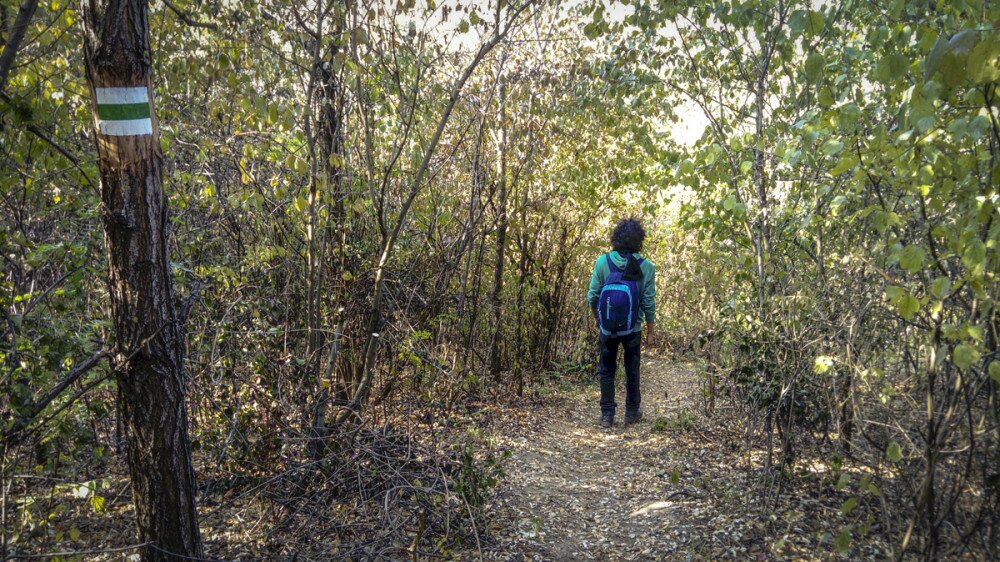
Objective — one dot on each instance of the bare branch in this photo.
(186, 18)
(48, 397)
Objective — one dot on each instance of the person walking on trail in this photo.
(622, 296)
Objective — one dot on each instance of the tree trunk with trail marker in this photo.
(149, 335)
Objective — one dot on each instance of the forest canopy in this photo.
(304, 263)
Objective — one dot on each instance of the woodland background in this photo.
(383, 215)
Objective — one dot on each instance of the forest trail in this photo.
(575, 491)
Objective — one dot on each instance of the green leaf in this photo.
(974, 255)
(932, 90)
(814, 67)
(894, 293)
(732, 204)
(300, 165)
(896, 9)
(982, 64)
(953, 69)
(300, 203)
(891, 68)
(848, 117)
(894, 452)
(815, 22)
(825, 97)
(934, 58)
(964, 356)
(922, 114)
(911, 258)
(941, 287)
(846, 163)
(908, 306)
(729, 203)
(995, 371)
(843, 481)
(843, 542)
(798, 21)
(806, 21)
(832, 147)
(848, 506)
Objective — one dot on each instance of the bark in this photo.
(524, 263)
(495, 298)
(331, 157)
(761, 238)
(13, 43)
(471, 280)
(149, 335)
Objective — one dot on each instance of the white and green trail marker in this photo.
(124, 112)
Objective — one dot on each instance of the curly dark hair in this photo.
(628, 235)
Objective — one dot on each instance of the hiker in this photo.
(622, 296)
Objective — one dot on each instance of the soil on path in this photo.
(575, 491)
(679, 485)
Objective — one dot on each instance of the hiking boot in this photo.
(633, 417)
(607, 420)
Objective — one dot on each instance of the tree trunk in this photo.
(496, 302)
(149, 333)
(14, 38)
(330, 102)
(522, 277)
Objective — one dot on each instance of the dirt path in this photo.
(579, 492)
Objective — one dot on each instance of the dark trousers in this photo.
(609, 365)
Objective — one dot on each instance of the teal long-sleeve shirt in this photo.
(647, 302)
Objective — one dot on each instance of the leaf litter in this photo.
(676, 486)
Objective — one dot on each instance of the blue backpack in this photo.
(618, 307)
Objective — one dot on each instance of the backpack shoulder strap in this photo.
(633, 270)
(611, 262)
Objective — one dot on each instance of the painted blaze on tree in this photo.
(149, 335)
(123, 112)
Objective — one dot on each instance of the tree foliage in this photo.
(385, 212)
